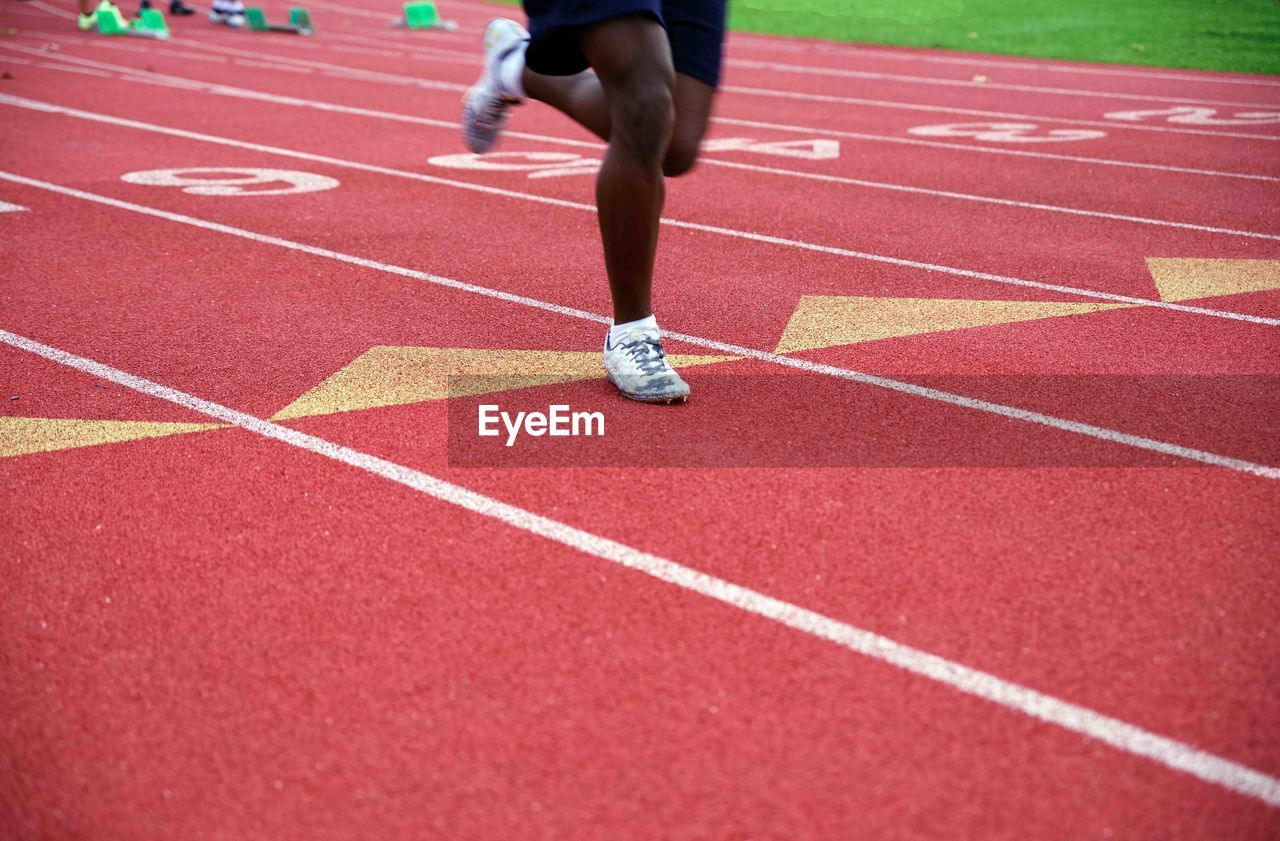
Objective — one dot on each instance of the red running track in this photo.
(215, 634)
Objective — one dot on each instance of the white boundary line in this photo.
(776, 67)
(974, 112)
(71, 68)
(52, 10)
(37, 105)
(847, 181)
(759, 40)
(809, 70)
(992, 150)
(1118, 734)
(434, 84)
(855, 50)
(444, 54)
(1062, 424)
(264, 96)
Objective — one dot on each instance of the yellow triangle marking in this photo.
(827, 321)
(395, 376)
(21, 436)
(1183, 279)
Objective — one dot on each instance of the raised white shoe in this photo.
(485, 104)
(638, 366)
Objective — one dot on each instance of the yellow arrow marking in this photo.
(395, 376)
(827, 321)
(21, 436)
(1183, 279)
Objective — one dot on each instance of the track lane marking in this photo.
(925, 56)
(1121, 735)
(943, 109)
(857, 182)
(848, 374)
(809, 70)
(751, 41)
(413, 81)
(444, 54)
(215, 87)
(37, 105)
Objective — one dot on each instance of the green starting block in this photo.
(299, 21)
(150, 24)
(424, 15)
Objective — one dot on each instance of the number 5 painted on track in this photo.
(232, 181)
(1186, 115)
(1007, 132)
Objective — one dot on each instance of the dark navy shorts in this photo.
(695, 29)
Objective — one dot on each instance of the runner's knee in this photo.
(682, 154)
(643, 115)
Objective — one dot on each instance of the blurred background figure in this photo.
(89, 13)
(176, 7)
(229, 12)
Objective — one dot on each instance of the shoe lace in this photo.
(490, 114)
(647, 353)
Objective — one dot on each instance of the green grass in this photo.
(1241, 35)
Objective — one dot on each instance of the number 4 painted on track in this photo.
(1186, 115)
(810, 150)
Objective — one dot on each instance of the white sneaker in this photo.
(637, 365)
(485, 104)
(231, 14)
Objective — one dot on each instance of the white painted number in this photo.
(1007, 132)
(233, 181)
(536, 164)
(1188, 116)
(555, 164)
(5, 207)
(809, 150)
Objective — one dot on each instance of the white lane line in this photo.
(470, 58)
(272, 64)
(925, 56)
(17, 9)
(751, 40)
(1025, 205)
(759, 41)
(905, 188)
(1012, 412)
(1207, 77)
(975, 112)
(452, 55)
(5, 207)
(67, 68)
(1120, 735)
(342, 70)
(53, 10)
(434, 84)
(37, 105)
(264, 96)
(992, 150)
(809, 70)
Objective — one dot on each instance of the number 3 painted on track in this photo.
(1189, 116)
(1006, 132)
(232, 181)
